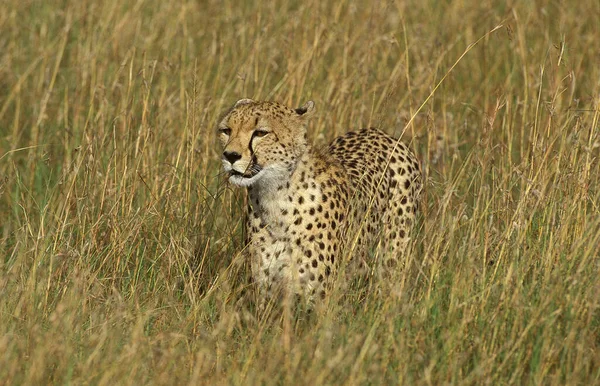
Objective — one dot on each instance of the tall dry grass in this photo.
(119, 239)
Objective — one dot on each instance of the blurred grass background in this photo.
(119, 239)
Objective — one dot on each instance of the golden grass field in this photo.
(119, 237)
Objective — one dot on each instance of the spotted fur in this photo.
(310, 208)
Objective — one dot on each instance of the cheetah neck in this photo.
(272, 198)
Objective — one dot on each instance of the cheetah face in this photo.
(262, 140)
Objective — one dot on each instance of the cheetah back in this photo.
(386, 182)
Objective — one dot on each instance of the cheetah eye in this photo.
(260, 133)
(225, 130)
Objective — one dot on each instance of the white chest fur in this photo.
(276, 234)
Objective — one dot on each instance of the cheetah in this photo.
(309, 208)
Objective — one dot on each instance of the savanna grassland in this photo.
(120, 239)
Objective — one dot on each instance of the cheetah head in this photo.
(262, 141)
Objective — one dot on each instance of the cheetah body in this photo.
(309, 209)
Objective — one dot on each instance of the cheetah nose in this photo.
(231, 156)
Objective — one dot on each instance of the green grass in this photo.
(119, 239)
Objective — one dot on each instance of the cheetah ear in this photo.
(244, 101)
(306, 110)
